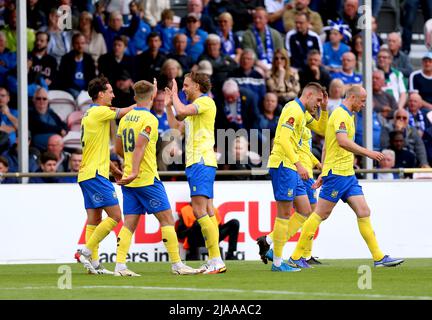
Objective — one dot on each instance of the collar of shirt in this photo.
(346, 109)
(300, 104)
(141, 109)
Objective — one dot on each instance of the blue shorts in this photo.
(201, 180)
(337, 187)
(310, 192)
(149, 199)
(286, 183)
(98, 192)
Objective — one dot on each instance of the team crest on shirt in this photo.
(290, 192)
(147, 129)
(290, 121)
(334, 193)
(342, 126)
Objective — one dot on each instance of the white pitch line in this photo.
(294, 293)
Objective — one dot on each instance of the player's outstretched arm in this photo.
(137, 157)
(122, 112)
(172, 121)
(349, 145)
(182, 110)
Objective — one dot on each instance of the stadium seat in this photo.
(62, 103)
(74, 120)
(83, 101)
(72, 140)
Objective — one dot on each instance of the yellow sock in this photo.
(306, 237)
(271, 236)
(169, 238)
(280, 236)
(211, 236)
(294, 224)
(101, 231)
(89, 231)
(123, 244)
(214, 220)
(368, 235)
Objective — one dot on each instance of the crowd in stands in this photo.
(258, 53)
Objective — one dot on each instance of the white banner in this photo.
(44, 223)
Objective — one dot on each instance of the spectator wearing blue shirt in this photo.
(268, 118)
(138, 41)
(8, 60)
(158, 109)
(347, 75)
(74, 166)
(179, 52)
(377, 123)
(333, 51)
(48, 164)
(8, 117)
(167, 30)
(4, 168)
(196, 36)
(77, 68)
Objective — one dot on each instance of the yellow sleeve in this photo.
(340, 123)
(201, 104)
(319, 126)
(289, 120)
(150, 129)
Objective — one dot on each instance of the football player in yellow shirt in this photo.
(339, 181)
(201, 164)
(143, 192)
(93, 176)
(287, 171)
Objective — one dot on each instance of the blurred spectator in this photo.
(148, 64)
(74, 166)
(336, 93)
(167, 30)
(383, 103)
(247, 77)
(138, 41)
(123, 90)
(11, 36)
(417, 117)
(44, 122)
(35, 17)
(348, 74)
(262, 39)
(240, 108)
(283, 80)
(357, 49)
(334, 49)
(8, 117)
(95, 42)
(404, 157)
(314, 71)
(48, 162)
(393, 78)
(4, 168)
(413, 142)
(421, 81)
(12, 156)
(289, 16)
(189, 229)
(378, 133)
(387, 163)
(115, 26)
(43, 64)
(153, 10)
(196, 36)
(401, 60)
(56, 147)
(230, 42)
(243, 9)
(240, 158)
(301, 40)
(179, 52)
(8, 60)
(170, 70)
(59, 40)
(268, 118)
(158, 110)
(351, 16)
(408, 17)
(376, 40)
(222, 64)
(276, 9)
(114, 63)
(196, 8)
(77, 68)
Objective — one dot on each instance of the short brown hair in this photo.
(97, 85)
(202, 80)
(143, 90)
(167, 14)
(47, 156)
(314, 86)
(4, 161)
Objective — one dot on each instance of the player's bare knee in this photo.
(165, 218)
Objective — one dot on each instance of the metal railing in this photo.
(259, 172)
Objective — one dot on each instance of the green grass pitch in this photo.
(337, 279)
